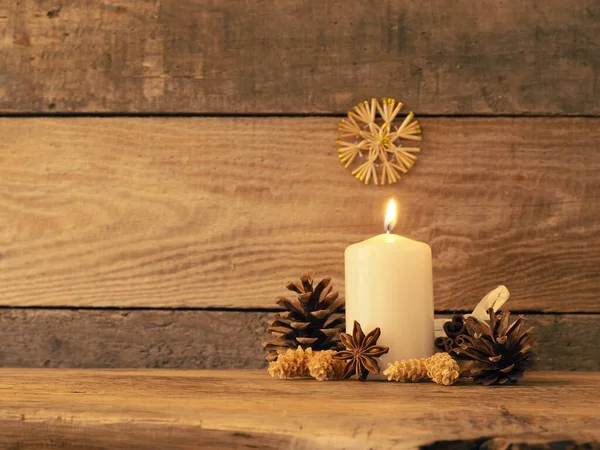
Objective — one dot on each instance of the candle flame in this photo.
(390, 216)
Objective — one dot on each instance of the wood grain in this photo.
(221, 212)
(78, 408)
(208, 56)
(58, 434)
(91, 436)
(215, 339)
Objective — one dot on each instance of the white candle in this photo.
(389, 285)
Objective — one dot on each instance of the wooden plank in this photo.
(90, 436)
(30, 435)
(221, 212)
(207, 56)
(215, 339)
(141, 219)
(73, 407)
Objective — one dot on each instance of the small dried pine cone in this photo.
(407, 370)
(291, 364)
(323, 367)
(442, 369)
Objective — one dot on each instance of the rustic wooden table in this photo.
(207, 409)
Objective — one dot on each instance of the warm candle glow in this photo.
(389, 284)
(390, 216)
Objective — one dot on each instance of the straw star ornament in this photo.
(370, 141)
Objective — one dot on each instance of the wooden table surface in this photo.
(55, 408)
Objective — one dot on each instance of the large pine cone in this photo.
(314, 320)
(498, 353)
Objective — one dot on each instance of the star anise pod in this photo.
(361, 352)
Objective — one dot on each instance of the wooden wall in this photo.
(166, 166)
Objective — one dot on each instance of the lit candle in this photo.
(389, 285)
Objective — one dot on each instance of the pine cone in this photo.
(314, 320)
(407, 370)
(291, 364)
(322, 366)
(442, 369)
(499, 353)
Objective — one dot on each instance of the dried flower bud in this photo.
(322, 366)
(443, 369)
(291, 364)
(407, 370)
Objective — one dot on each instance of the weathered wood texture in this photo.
(226, 56)
(60, 434)
(221, 212)
(212, 339)
(178, 409)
